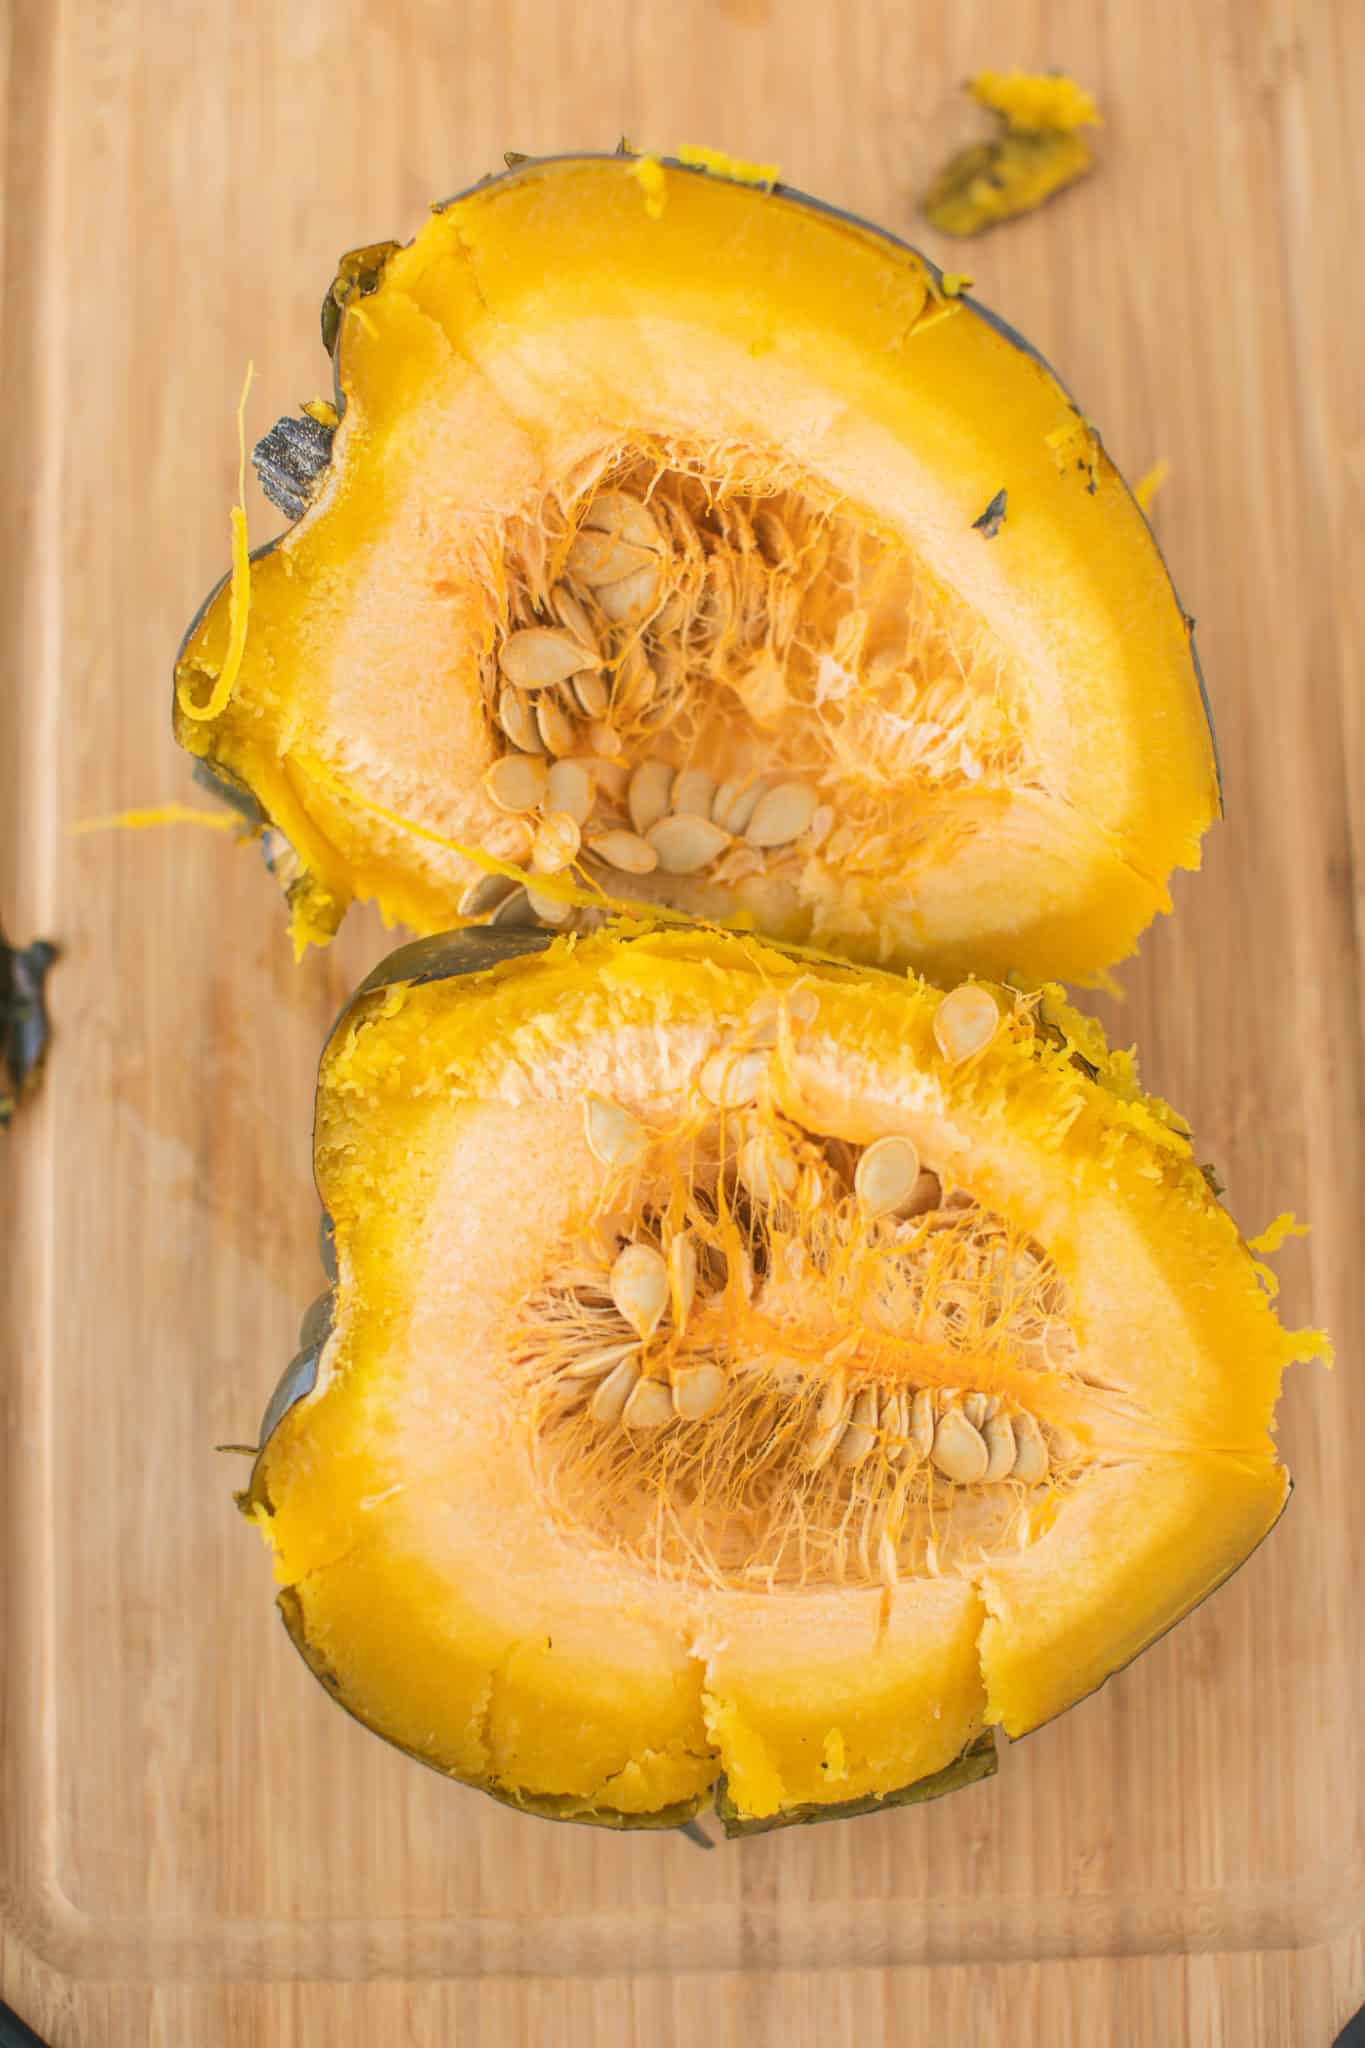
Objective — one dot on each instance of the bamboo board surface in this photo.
(194, 1847)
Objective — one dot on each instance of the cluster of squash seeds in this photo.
(661, 614)
(801, 1356)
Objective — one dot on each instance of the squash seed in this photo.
(620, 513)
(682, 1277)
(858, 1439)
(730, 1080)
(999, 1435)
(570, 613)
(924, 1196)
(538, 657)
(766, 1169)
(509, 837)
(633, 594)
(595, 1365)
(922, 1422)
(648, 796)
(975, 1407)
(686, 844)
(650, 1405)
(959, 1451)
(556, 843)
(885, 1176)
(549, 909)
(693, 792)
(518, 720)
(570, 787)
(781, 815)
(516, 782)
(831, 1420)
(966, 1021)
(486, 894)
(610, 778)
(639, 1287)
(514, 909)
(1030, 1452)
(604, 739)
(735, 803)
(556, 726)
(616, 1389)
(698, 1391)
(592, 693)
(895, 1421)
(597, 557)
(615, 1138)
(624, 850)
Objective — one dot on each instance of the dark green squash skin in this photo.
(360, 273)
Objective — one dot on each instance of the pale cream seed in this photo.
(999, 1434)
(518, 720)
(650, 1405)
(959, 1451)
(538, 657)
(966, 1021)
(693, 792)
(570, 787)
(766, 1169)
(686, 844)
(556, 727)
(682, 1277)
(924, 1196)
(604, 739)
(612, 778)
(570, 613)
(781, 815)
(608, 1403)
(619, 513)
(592, 693)
(632, 595)
(922, 1422)
(516, 782)
(1030, 1452)
(509, 837)
(974, 1407)
(624, 850)
(549, 909)
(595, 557)
(858, 1439)
(647, 799)
(885, 1176)
(730, 1080)
(735, 803)
(698, 1391)
(639, 1287)
(557, 842)
(615, 1138)
(595, 1365)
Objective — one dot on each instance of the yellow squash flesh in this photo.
(474, 1586)
(584, 320)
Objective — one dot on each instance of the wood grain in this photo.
(1181, 1859)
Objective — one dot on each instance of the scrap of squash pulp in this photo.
(1036, 151)
(648, 173)
(239, 590)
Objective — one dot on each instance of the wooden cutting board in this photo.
(194, 1849)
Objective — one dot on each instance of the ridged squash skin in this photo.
(579, 304)
(452, 1606)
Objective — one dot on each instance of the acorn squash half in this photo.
(685, 542)
(748, 1367)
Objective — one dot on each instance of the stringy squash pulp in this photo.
(743, 1366)
(684, 542)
